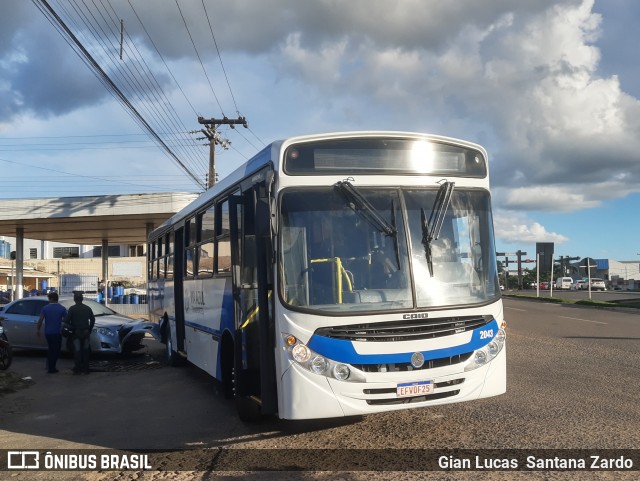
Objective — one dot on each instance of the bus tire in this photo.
(171, 357)
(248, 409)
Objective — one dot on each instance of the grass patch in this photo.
(553, 300)
(577, 302)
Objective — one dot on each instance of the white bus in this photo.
(336, 275)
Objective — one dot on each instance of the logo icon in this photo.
(417, 360)
(23, 460)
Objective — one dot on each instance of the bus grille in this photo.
(405, 330)
(404, 367)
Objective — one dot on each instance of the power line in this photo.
(53, 17)
(162, 58)
(141, 81)
(220, 57)
(199, 59)
(224, 71)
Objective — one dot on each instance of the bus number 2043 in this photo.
(487, 334)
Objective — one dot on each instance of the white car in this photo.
(598, 284)
(579, 285)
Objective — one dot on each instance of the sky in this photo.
(550, 88)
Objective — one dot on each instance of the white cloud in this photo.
(516, 228)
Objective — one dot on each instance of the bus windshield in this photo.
(333, 258)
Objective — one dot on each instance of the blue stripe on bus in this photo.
(200, 327)
(341, 350)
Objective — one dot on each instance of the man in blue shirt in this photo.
(52, 315)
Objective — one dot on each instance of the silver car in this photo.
(112, 332)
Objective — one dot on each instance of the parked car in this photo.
(598, 284)
(112, 333)
(579, 285)
(544, 285)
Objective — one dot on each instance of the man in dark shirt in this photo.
(81, 319)
(52, 315)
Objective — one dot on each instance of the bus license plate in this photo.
(419, 388)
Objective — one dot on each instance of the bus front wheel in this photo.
(172, 357)
(249, 409)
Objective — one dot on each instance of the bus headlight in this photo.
(341, 372)
(318, 364)
(487, 353)
(300, 353)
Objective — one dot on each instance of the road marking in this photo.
(583, 320)
(515, 309)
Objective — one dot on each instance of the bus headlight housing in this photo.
(318, 364)
(487, 353)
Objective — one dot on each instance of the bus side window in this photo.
(223, 239)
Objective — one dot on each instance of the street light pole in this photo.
(537, 274)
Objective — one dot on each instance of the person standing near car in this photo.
(52, 315)
(81, 320)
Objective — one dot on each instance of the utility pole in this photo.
(520, 254)
(211, 133)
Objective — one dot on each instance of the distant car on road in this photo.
(112, 333)
(579, 285)
(544, 285)
(564, 282)
(598, 284)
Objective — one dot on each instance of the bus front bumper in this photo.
(305, 395)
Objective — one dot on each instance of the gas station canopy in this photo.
(118, 219)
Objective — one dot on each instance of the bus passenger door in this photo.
(255, 385)
(179, 289)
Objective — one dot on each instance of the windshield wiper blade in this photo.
(362, 207)
(431, 228)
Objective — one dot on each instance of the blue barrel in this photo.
(109, 292)
(125, 299)
(135, 299)
(45, 285)
(115, 300)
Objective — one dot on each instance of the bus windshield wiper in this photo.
(431, 228)
(363, 208)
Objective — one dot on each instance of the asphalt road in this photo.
(572, 384)
(581, 294)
